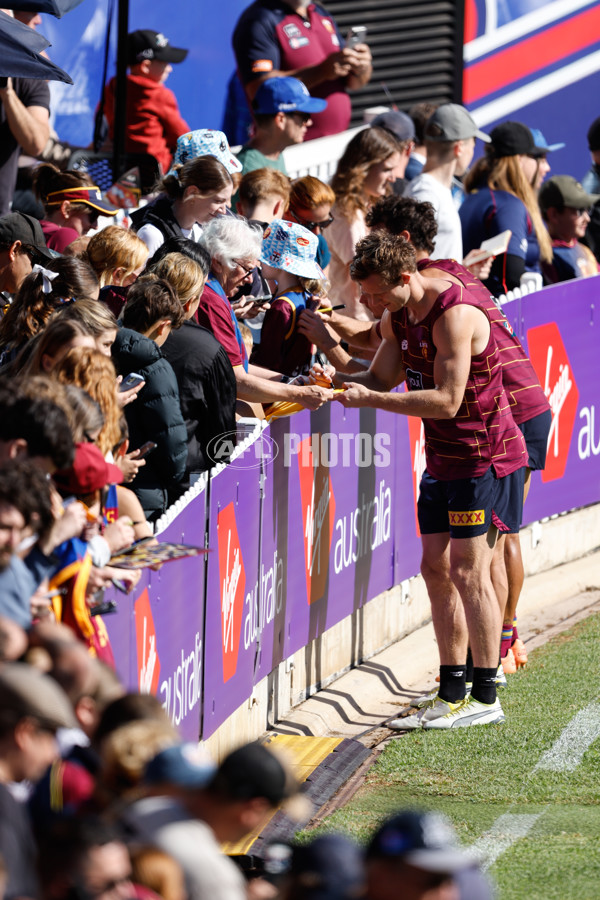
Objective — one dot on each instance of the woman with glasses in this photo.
(500, 197)
(364, 174)
(72, 204)
(310, 206)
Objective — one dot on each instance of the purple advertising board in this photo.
(157, 635)
(232, 588)
(558, 327)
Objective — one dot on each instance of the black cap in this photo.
(593, 135)
(16, 226)
(146, 44)
(329, 868)
(425, 840)
(253, 771)
(512, 139)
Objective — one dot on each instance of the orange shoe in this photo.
(519, 652)
(509, 665)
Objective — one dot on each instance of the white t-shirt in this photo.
(448, 243)
(153, 238)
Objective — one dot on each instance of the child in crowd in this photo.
(152, 115)
(289, 261)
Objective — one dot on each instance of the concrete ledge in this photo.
(387, 619)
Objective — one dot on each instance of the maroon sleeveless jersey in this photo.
(483, 433)
(523, 389)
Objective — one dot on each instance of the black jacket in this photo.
(207, 390)
(160, 214)
(155, 415)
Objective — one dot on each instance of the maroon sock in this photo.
(507, 639)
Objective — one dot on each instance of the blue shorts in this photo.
(507, 513)
(536, 431)
(462, 506)
(467, 507)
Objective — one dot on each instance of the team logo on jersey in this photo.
(232, 579)
(424, 348)
(148, 663)
(291, 30)
(553, 368)
(414, 380)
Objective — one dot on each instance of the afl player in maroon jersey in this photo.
(437, 338)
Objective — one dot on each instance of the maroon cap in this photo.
(89, 472)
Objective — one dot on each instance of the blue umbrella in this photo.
(55, 7)
(20, 49)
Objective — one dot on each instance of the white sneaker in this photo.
(469, 712)
(435, 709)
(425, 699)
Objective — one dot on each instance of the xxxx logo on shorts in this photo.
(469, 517)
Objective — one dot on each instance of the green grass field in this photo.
(477, 775)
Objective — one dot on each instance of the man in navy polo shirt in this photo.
(299, 38)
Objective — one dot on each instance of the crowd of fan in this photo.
(125, 354)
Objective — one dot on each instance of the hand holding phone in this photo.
(130, 381)
(356, 35)
(145, 449)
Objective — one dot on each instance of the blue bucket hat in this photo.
(287, 95)
(541, 144)
(204, 142)
(291, 247)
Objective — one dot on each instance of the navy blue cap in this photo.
(425, 840)
(285, 95)
(400, 125)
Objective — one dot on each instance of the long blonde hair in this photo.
(505, 174)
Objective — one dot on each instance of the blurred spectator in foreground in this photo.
(565, 209)
(152, 115)
(415, 855)
(34, 707)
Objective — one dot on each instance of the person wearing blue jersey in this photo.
(500, 197)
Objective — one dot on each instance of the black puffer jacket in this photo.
(160, 214)
(154, 416)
